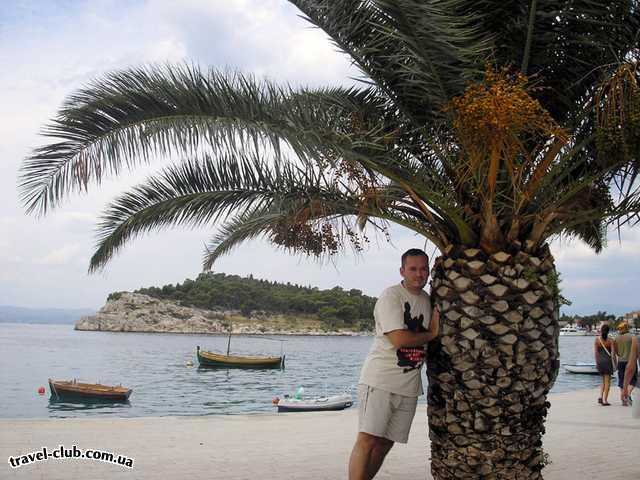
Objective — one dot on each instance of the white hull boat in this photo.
(318, 404)
(572, 332)
(584, 368)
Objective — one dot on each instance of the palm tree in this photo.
(488, 127)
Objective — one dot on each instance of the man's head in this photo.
(623, 327)
(414, 269)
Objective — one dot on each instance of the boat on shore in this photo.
(583, 368)
(72, 389)
(318, 404)
(218, 360)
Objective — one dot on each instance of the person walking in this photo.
(631, 370)
(623, 349)
(390, 380)
(603, 351)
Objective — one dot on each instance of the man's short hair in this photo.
(414, 252)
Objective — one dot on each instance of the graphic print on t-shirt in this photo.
(411, 358)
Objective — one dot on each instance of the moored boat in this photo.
(570, 331)
(212, 359)
(318, 404)
(89, 391)
(584, 368)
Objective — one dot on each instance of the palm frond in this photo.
(197, 193)
(343, 212)
(420, 53)
(573, 45)
(133, 116)
(245, 226)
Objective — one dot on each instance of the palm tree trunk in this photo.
(496, 361)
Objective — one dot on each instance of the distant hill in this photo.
(11, 314)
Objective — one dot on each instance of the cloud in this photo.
(60, 256)
(263, 38)
(575, 252)
(592, 283)
(8, 259)
(75, 222)
(605, 281)
(7, 221)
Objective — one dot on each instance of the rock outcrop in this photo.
(133, 312)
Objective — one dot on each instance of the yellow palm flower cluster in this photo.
(499, 124)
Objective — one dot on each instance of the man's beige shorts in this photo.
(385, 414)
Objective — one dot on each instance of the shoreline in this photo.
(213, 334)
(303, 445)
(240, 334)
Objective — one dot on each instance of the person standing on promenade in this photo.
(390, 381)
(603, 351)
(630, 374)
(623, 349)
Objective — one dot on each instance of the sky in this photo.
(50, 48)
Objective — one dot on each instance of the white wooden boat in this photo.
(584, 368)
(318, 404)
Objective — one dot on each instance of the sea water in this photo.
(162, 370)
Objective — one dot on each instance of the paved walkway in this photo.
(584, 440)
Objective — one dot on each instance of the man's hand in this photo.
(434, 324)
(408, 339)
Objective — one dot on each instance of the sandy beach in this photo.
(584, 441)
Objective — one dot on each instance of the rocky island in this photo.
(136, 312)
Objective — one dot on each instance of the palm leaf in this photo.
(420, 53)
(198, 193)
(132, 116)
(246, 226)
(343, 210)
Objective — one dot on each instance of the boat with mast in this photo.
(218, 360)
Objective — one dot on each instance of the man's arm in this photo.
(631, 366)
(409, 339)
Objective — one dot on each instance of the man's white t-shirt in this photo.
(387, 368)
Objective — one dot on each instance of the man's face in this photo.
(415, 272)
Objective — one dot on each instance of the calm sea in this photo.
(156, 367)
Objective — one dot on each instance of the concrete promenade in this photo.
(584, 441)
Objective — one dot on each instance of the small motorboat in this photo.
(584, 368)
(72, 389)
(212, 359)
(317, 404)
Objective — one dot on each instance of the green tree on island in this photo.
(487, 127)
(336, 307)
